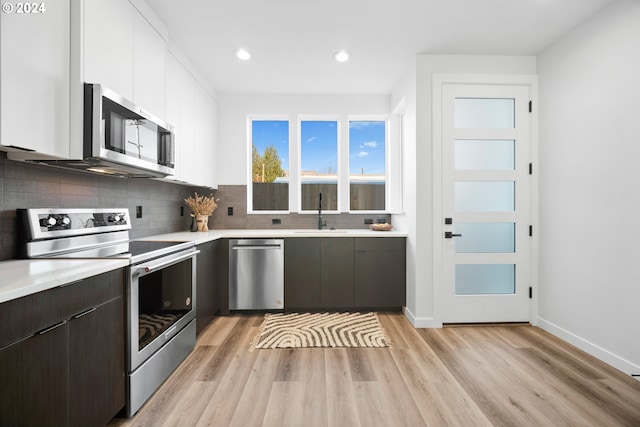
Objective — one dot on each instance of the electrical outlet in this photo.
(276, 221)
(368, 221)
(138, 211)
(230, 211)
(381, 220)
(181, 210)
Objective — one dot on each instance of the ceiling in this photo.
(293, 41)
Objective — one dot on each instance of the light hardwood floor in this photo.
(455, 376)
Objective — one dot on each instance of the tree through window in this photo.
(269, 165)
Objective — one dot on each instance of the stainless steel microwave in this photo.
(118, 139)
(119, 134)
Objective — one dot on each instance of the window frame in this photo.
(369, 118)
(318, 118)
(343, 152)
(249, 158)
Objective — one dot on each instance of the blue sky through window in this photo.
(272, 132)
(367, 147)
(319, 146)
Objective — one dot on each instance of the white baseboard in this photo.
(589, 347)
(421, 322)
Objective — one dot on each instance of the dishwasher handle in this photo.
(252, 247)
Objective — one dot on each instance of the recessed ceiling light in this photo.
(342, 56)
(243, 54)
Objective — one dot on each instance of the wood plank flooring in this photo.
(456, 376)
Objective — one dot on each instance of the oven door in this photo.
(161, 302)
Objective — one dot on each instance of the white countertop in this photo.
(25, 277)
(200, 237)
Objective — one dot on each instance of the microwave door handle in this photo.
(152, 267)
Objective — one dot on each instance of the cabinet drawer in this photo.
(24, 316)
(380, 243)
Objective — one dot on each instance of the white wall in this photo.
(589, 178)
(404, 98)
(423, 292)
(235, 108)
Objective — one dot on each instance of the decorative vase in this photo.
(202, 221)
(194, 224)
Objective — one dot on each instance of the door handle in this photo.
(449, 235)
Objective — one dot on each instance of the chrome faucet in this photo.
(320, 223)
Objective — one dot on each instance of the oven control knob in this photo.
(116, 218)
(66, 220)
(51, 221)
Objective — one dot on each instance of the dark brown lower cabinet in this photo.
(33, 381)
(96, 365)
(67, 366)
(336, 273)
(208, 301)
(302, 273)
(380, 272)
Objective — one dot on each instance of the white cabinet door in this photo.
(149, 65)
(108, 45)
(174, 70)
(188, 149)
(34, 79)
(205, 138)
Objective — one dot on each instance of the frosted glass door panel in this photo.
(484, 154)
(478, 113)
(486, 237)
(483, 279)
(485, 196)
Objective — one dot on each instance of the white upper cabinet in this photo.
(188, 151)
(193, 112)
(46, 57)
(149, 67)
(108, 45)
(34, 80)
(125, 53)
(206, 139)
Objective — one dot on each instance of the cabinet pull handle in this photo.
(64, 285)
(84, 313)
(51, 328)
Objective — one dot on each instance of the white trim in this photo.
(438, 80)
(385, 118)
(316, 118)
(421, 322)
(589, 347)
(249, 160)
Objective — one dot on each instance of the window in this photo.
(269, 166)
(349, 166)
(367, 165)
(319, 165)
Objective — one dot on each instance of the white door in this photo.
(486, 203)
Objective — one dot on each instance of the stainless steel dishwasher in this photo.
(256, 274)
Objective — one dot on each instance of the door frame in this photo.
(438, 81)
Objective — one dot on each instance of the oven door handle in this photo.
(151, 267)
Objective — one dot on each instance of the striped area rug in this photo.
(297, 330)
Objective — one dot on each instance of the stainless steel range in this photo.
(161, 285)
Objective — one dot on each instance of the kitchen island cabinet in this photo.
(62, 354)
